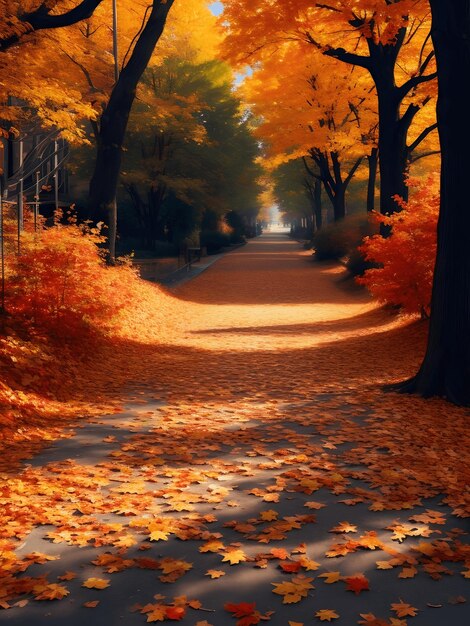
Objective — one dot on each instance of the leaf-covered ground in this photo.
(256, 473)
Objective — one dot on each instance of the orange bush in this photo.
(407, 257)
(60, 287)
(60, 283)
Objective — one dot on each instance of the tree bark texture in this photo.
(446, 367)
(373, 162)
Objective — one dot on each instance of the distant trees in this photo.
(387, 44)
(189, 146)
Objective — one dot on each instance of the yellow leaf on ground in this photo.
(331, 577)
(326, 615)
(233, 556)
(215, 573)
(96, 583)
(404, 610)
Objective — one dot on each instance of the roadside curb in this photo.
(185, 274)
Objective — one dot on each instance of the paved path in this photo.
(264, 441)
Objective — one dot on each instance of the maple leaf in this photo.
(356, 583)
(169, 566)
(96, 583)
(408, 572)
(293, 591)
(290, 566)
(233, 556)
(214, 573)
(212, 546)
(157, 613)
(344, 527)
(314, 505)
(279, 553)
(429, 517)
(91, 604)
(175, 612)
(195, 604)
(370, 541)
(51, 591)
(242, 609)
(309, 564)
(269, 516)
(159, 535)
(404, 610)
(331, 577)
(326, 615)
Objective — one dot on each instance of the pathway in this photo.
(263, 465)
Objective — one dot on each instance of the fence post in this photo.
(2, 248)
(20, 194)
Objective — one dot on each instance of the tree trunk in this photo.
(114, 120)
(339, 203)
(392, 149)
(318, 205)
(373, 161)
(446, 367)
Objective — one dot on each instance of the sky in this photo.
(217, 8)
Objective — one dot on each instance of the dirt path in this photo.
(263, 465)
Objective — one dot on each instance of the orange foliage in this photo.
(66, 311)
(406, 258)
(60, 284)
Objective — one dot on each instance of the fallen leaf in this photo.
(404, 610)
(96, 583)
(326, 615)
(356, 583)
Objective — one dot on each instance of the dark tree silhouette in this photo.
(446, 367)
(41, 19)
(114, 120)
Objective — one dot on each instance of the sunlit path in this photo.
(256, 448)
(271, 295)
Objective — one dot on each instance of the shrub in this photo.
(214, 240)
(407, 257)
(340, 239)
(237, 227)
(60, 283)
(357, 264)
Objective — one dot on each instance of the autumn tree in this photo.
(191, 24)
(189, 149)
(446, 367)
(42, 92)
(115, 117)
(388, 39)
(319, 115)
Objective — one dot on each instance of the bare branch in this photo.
(421, 137)
(41, 19)
(424, 155)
